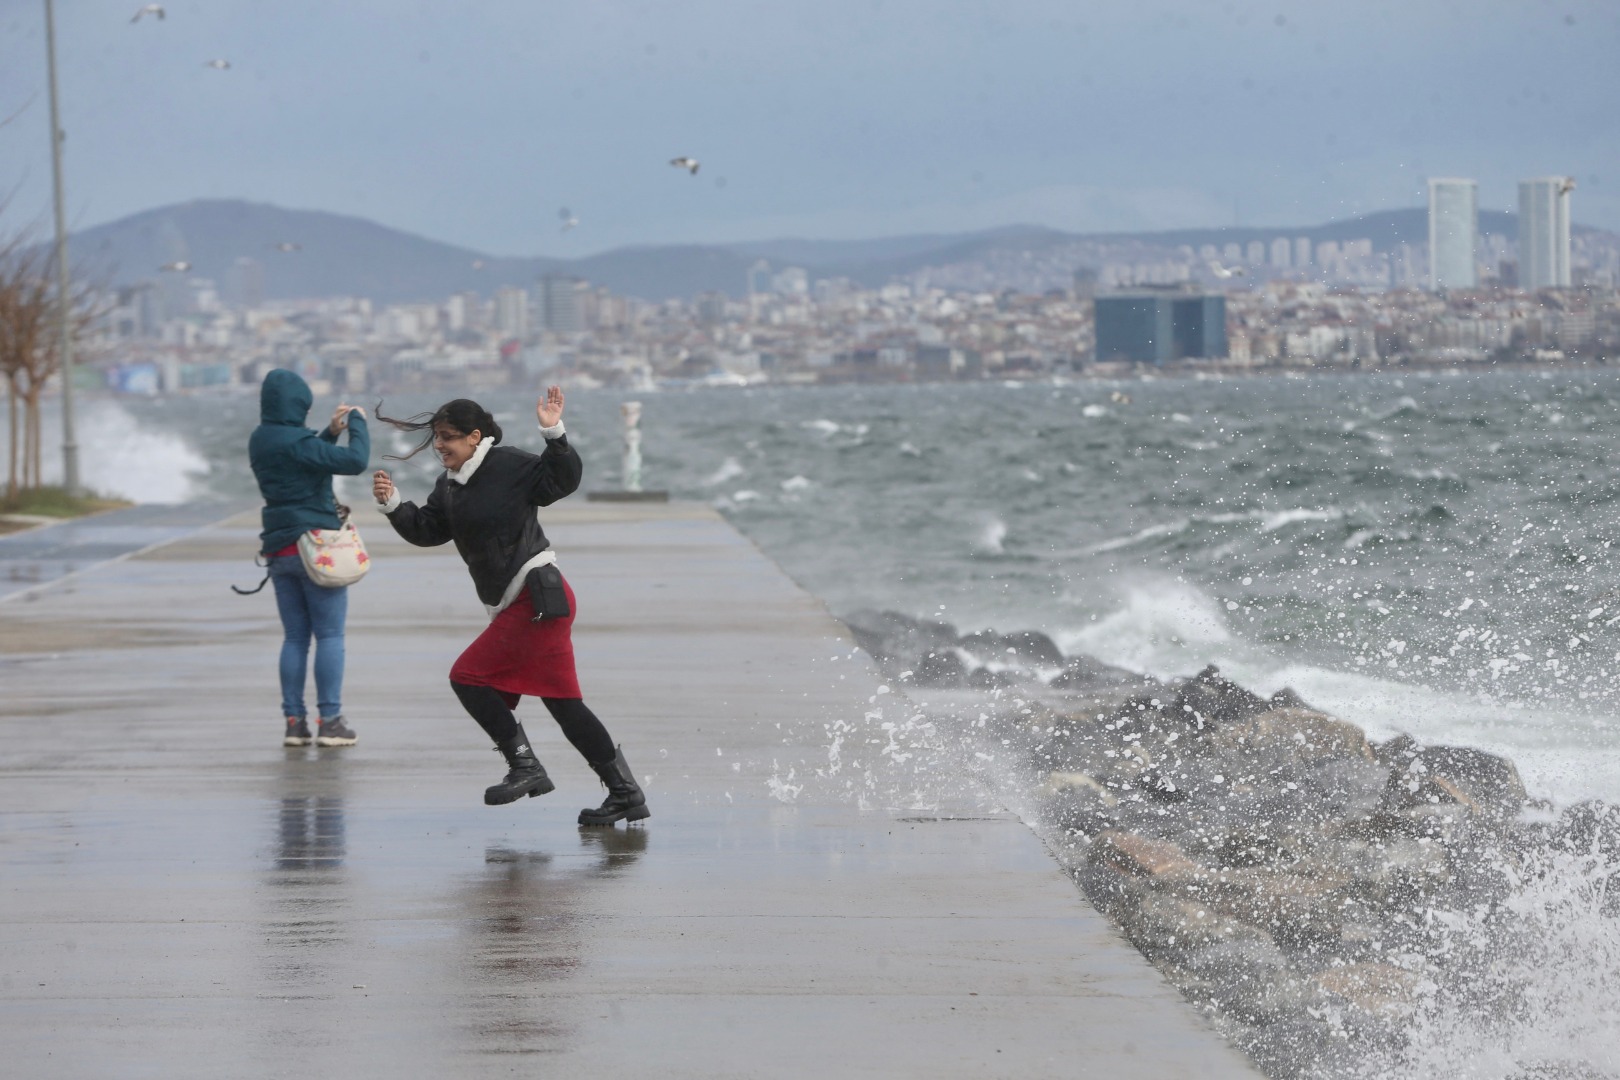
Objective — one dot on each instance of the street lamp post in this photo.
(70, 447)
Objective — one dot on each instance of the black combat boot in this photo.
(625, 802)
(526, 776)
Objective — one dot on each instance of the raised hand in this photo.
(382, 486)
(340, 417)
(550, 408)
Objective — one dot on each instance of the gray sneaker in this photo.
(335, 732)
(297, 732)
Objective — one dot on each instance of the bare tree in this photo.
(23, 317)
(15, 335)
(30, 349)
(18, 335)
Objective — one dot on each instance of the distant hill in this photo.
(339, 255)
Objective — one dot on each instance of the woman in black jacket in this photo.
(485, 503)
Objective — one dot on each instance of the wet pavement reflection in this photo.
(529, 917)
(308, 887)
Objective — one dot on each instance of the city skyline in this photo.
(479, 127)
(234, 242)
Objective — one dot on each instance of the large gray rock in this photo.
(1371, 986)
(1483, 783)
(1397, 751)
(1086, 673)
(1207, 700)
(1287, 698)
(941, 667)
(1590, 826)
(1387, 875)
(889, 635)
(1254, 845)
(1304, 912)
(936, 656)
(1140, 856)
(1248, 977)
(1172, 929)
(1028, 648)
(1305, 735)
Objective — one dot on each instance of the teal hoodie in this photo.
(294, 465)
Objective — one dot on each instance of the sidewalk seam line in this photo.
(42, 586)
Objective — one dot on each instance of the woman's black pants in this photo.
(579, 725)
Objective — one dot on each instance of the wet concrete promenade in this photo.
(180, 896)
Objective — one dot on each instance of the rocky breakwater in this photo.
(1323, 897)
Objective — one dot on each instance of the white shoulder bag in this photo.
(334, 558)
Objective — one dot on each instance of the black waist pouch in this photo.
(546, 593)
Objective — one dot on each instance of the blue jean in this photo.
(307, 610)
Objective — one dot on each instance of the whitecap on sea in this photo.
(991, 537)
(729, 469)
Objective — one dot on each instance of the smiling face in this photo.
(454, 448)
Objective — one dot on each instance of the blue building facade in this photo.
(1157, 327)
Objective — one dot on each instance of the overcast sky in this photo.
(476, 122)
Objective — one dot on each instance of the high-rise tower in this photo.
(1544, 232)
(561, 309)
(1453, 233)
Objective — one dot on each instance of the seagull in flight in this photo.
(288, 245)
(687, 163)
(1567, 186)
(1224, 272)
(569, 221)
(149, 9)
(219, 65)
(179, 266)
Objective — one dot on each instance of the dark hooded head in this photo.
(284, 398)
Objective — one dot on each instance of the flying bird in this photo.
(179, 266)
(1567, 186)
(149, 9)
(1224, 272)
(569, 221)
(687, 163)
(478, 264)
(288, 245)
(219, 65)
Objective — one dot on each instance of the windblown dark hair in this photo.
(463, 415)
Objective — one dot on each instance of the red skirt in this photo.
(518, 656)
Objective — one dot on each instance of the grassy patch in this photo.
(57, 503)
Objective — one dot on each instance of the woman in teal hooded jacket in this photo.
(294, 466)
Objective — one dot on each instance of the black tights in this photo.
(578, 723)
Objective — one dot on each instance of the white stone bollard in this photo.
(630, 413)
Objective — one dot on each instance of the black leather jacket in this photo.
(491, 517)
